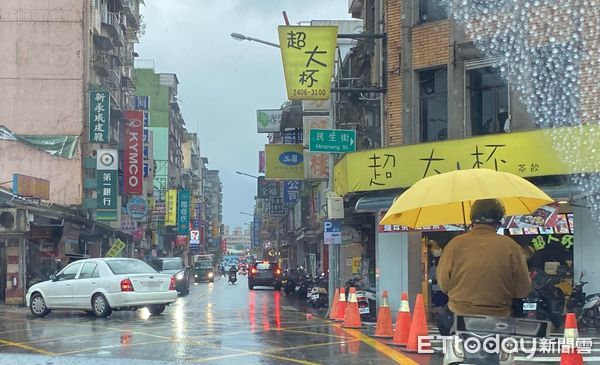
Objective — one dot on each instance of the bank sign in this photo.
(133, 153)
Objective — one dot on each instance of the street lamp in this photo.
(252, 215)
(245, 174)
(241, 37)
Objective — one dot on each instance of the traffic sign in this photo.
(332, 232)
(332, 140)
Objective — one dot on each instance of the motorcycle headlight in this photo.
(195, 275)
(210, 274)
(179, 276)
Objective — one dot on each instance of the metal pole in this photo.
(333, 249)
(263, 42)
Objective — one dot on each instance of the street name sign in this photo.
(332, 140)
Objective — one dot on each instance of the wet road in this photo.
(216, 323)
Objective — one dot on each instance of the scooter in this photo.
(232, 278)
(489, 340)
(585, 307)
(545, 301)
(364, 307)
(317, 296)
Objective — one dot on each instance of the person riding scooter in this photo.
(233, 274)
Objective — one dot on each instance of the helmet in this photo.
(487, 211)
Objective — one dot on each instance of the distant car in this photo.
(203, 271)
(102, 285)
(175, 267)
(265, 273)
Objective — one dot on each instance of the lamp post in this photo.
(241, 37)
(245, 174)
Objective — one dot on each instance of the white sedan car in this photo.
(102, 285)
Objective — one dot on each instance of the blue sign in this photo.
(141, 102)
(146, 119)
(255, 231)
(292, 137)
(291, 158)
(146, 169)
(183, 212)
(146, 135)
(291, 191)
(332, 232)
(137, 208)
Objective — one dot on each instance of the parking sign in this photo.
(332, 232)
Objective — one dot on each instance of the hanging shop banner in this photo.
(525, 154)
(267, 189)
(99, 116)
(316, 166)
(146, 119)
(107, 185)
(171, 208)
(30, 186)
(284, 162)
(137, 208)
(196, 214)
(308, 55)
(133, 153)
(181, 240)
(293, 136)
(183, 212)
(276, 207)
(261, 162)
(116, 248)
(291, 191)
(313, 122)
(141, 102)
(268, 120)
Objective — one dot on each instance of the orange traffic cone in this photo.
(418, 328)
(341, 307)
(333, 309)
(570, 354)
(352, 317)
(402, 323)
(384, 328)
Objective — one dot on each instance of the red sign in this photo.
(223, 245)
(32, 187)
(133, 163)
(181, 240)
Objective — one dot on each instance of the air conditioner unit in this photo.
(14, 220)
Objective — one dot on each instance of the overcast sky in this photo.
(223, 81)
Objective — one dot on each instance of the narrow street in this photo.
(216, 323)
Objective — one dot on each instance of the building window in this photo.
(489, 101)
(433, 94)
(431, 11)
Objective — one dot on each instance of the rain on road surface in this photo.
(216, 323)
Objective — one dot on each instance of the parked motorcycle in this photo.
(365, 307)
(317, 295)
(585, 307)
(545, 301)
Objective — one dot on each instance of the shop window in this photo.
(88, 270)
(431, 11)
(433, 94)
(489, 101)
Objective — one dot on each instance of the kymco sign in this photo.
(133, 154)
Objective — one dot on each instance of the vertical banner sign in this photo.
(133, 154)
(284, 162)
(141, 102)
(197, 214)
(107, 187)
(291, 191)
(171, 208)
(99, 116)
(183, 210)
(261, 162)
(308, 54)
(255, 232)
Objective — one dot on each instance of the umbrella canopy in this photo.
(447, 198)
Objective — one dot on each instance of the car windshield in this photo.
(172, 265)
(203, 265)
(120, 267)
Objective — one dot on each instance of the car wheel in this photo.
(37, 306)
(155, 310)
(101, 307)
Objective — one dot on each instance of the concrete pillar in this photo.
(15, 269)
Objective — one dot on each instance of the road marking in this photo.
(110, 347)
(25, 347)
(312, 333)
(386, 350)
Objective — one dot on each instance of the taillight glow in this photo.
(253, 270)
(126, 285)
(278, 271)
(172, 285)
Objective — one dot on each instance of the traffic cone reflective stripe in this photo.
(418, 328)
(333, 309)
(352, 317)
(570, 354)
(384, 327)
(402, 322)
(341, 307)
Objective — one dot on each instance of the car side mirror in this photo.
(53, 278)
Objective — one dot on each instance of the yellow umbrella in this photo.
(447, 198)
